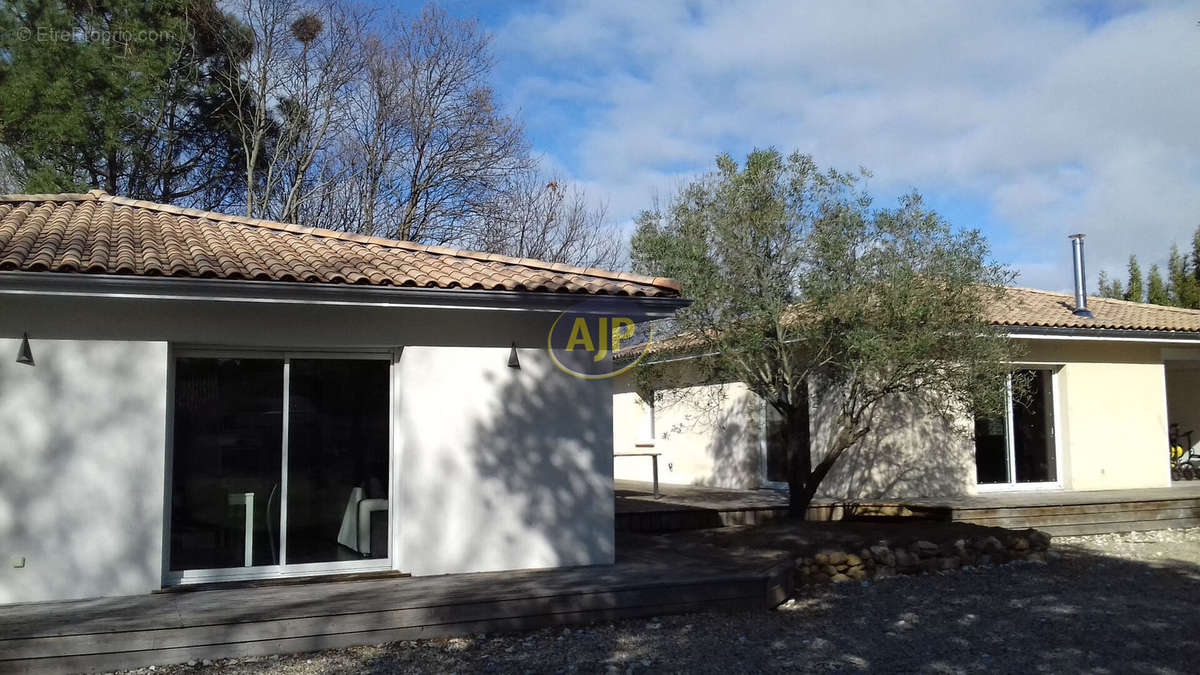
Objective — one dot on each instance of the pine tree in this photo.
(1157, 291)
(1110, 288)
(1134, 290)
(139, 116)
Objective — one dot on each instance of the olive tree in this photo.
(801, 285)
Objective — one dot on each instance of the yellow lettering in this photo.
(580, 335)
(622, 330)
(603, 351)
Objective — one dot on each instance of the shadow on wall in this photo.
(910, 452)
(550, 447)
(735, 443)
(526, 479)
(711, 434)
(81, 446)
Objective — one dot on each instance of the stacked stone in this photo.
(883, 560)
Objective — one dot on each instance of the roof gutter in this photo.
(300, 293)
(1103, 334)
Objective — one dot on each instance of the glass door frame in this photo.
(1009, 435)
(283, 569)
(764, 448)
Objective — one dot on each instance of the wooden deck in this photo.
(1055, 512)
(690, 507)
(135, 631)
(1073, 513)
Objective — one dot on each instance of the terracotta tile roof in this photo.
(1024, 308)
(97, 233)
(1031, 307)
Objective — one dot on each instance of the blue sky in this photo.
(1029, 120)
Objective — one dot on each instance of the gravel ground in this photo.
(1125, 603)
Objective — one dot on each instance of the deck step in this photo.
(675, 520)
(124, 633)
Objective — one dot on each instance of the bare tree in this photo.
(549, 220)
(291, 68)
(457, 150)
(394, 132)
(374, 145)
(425, 152)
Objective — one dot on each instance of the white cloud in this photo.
(1052, 120)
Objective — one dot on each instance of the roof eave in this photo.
(283, 292)
(1113, 334)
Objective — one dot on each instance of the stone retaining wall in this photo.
(882, 560)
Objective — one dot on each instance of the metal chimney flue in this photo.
(1080, 277)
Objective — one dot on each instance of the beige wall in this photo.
(908, 453)
(1111, 411)
(500, 468)
(82, 446)
(707, 434)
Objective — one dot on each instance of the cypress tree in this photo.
(1196, 254)
(1134, 290)
(1182, 286)
(1110, 288)
(1157, 290)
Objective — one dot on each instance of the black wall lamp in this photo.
(25, 354)
(513, 361)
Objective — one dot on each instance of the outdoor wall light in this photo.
(513, 361)
(25, 354)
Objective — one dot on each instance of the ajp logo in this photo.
(584, 339)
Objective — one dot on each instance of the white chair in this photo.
(355, 533)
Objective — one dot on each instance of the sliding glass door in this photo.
(228, 458)
(337, 459)
(1018, 449)
(280, 465)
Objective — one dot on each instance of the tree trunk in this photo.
(799, 457)
(809, 489)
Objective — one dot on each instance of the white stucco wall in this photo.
(500, 468)
(496, 468)
(82, 439)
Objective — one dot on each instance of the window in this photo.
(646, 422)
(1018, 448)
(775, 446)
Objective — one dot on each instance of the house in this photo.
(188, 396)
(1109, 392)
